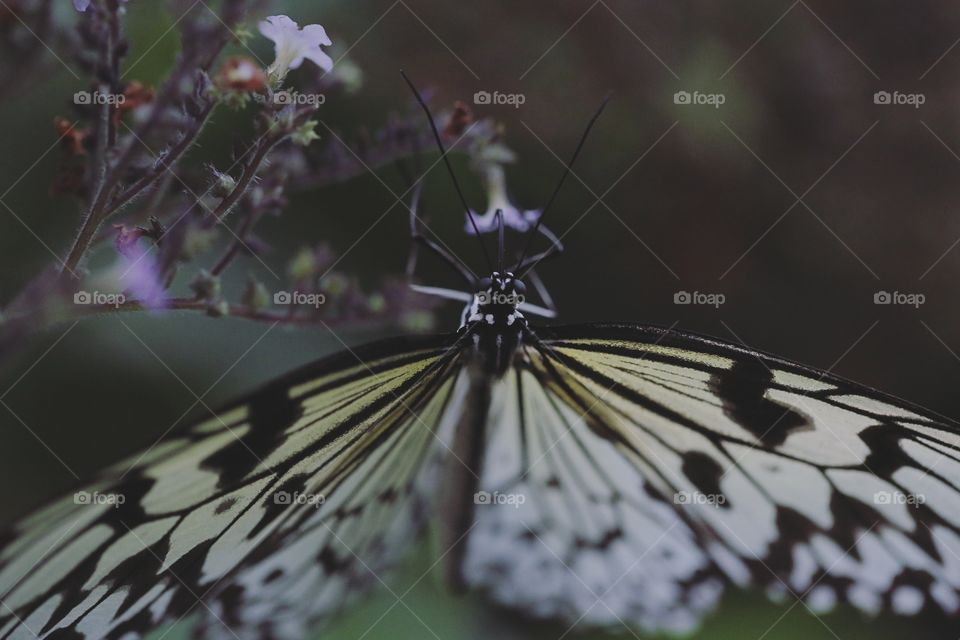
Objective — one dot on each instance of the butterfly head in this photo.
(496, 300)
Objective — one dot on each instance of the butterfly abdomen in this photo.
(461, 481)
(493, 350)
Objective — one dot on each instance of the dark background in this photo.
(879, 186)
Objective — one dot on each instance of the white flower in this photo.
(497, 199)
(83, 5)
(293, 45)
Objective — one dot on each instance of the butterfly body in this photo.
(493, 329)
(493, 323)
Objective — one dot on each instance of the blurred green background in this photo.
(696, 190)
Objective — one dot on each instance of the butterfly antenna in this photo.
(500, 243)
(569, 166)
(446, 161)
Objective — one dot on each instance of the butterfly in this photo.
(601, 474)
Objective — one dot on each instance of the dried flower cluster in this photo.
(122, 151)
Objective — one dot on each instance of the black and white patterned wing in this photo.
(262, 519)
(632, 473)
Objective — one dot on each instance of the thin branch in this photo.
(288, 317)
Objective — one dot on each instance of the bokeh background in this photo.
(694, 198)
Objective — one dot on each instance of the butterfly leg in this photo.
(419, 239)
(526, 271)
(549, 308)
(555, 249)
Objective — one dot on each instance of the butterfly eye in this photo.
(484, 284)
(519, 287)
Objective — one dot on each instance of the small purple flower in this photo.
(136, 271)
(293, 45)
(139, 277)
(513, 218)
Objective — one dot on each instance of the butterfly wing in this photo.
(630, 474)
(633, 472)
(262, 518)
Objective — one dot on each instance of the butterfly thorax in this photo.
(494, 321)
